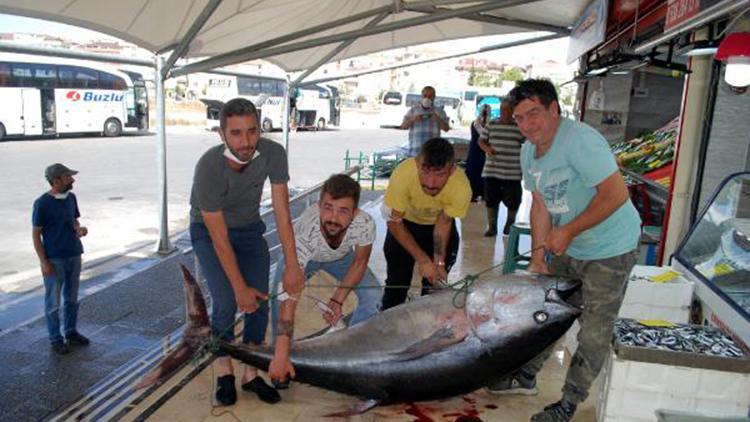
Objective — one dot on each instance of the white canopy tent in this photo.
(296, 35)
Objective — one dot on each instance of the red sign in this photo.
(679, 11)
(73, 96)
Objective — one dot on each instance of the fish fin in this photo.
(358, 408)
(437, 341)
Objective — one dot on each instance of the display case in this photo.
(715, 254)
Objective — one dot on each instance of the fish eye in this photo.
(541, 317)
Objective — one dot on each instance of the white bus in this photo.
(43, 96)
(317, 106)
(395, 104)
(475, 97)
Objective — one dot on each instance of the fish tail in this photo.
(194, 337)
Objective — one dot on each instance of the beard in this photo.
(244, 154)
(66, 188)
(332, 230)
(430, 191)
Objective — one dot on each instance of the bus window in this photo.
(22, 74)
(245, 85)
(279, 91)
(86, 78)
(412, 100)
(65, 77)
(109, 81)
(470, 95)
(45, 76)
(268, 87)
(392, 98)
(446, 102)
(4, 74)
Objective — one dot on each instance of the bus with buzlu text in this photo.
(43, 96)
(315, 106)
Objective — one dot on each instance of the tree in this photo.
(483, 78)
(512, 74)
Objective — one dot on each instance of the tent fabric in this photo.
(159, 25)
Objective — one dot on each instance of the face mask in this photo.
(61, 195)
(426, 102)
(228, 153)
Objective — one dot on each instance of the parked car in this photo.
(385, 160)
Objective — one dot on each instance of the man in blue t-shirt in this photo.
(57, 243)
(582, 216)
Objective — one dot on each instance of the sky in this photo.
(11, 23)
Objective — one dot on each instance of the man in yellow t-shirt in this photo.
(424, 195)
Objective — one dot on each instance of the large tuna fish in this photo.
(441, 345)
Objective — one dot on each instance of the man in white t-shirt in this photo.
(336, 236)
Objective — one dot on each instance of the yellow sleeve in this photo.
(397, 193)
(458, 195)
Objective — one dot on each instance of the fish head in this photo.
(520, 304)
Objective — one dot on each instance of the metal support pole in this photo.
(182, 48)
(164, 246)
(285, 116)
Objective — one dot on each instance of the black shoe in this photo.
(490, 233)
(561, 411)
(226, 392)
(77, 339)
(513, 384)
(60, 347)
(280, 385)
(264, 391)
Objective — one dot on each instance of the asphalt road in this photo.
(117, 185)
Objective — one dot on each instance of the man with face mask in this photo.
(56, 234)
(424, 121)
(227, 236)
(336, 236)
(424, 196)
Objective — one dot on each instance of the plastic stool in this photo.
(513, 259)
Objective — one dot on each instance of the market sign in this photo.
(589, 30)
(679, 11)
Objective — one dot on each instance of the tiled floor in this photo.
(304, 403)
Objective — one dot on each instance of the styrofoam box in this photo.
(633, 391)
(679, 314)
(648, 300)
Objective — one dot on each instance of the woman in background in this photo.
(475, 158)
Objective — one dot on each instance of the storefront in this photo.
(667, 86)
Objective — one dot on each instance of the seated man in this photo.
(336, 236)
(424, 196)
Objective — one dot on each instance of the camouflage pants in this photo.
(604, 283)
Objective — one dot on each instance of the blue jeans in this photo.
(368, 297)
(66, 279)
(253, 259)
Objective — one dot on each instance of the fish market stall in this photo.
(659, 361)
(646, 164)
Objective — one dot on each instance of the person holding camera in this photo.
(424, 121)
